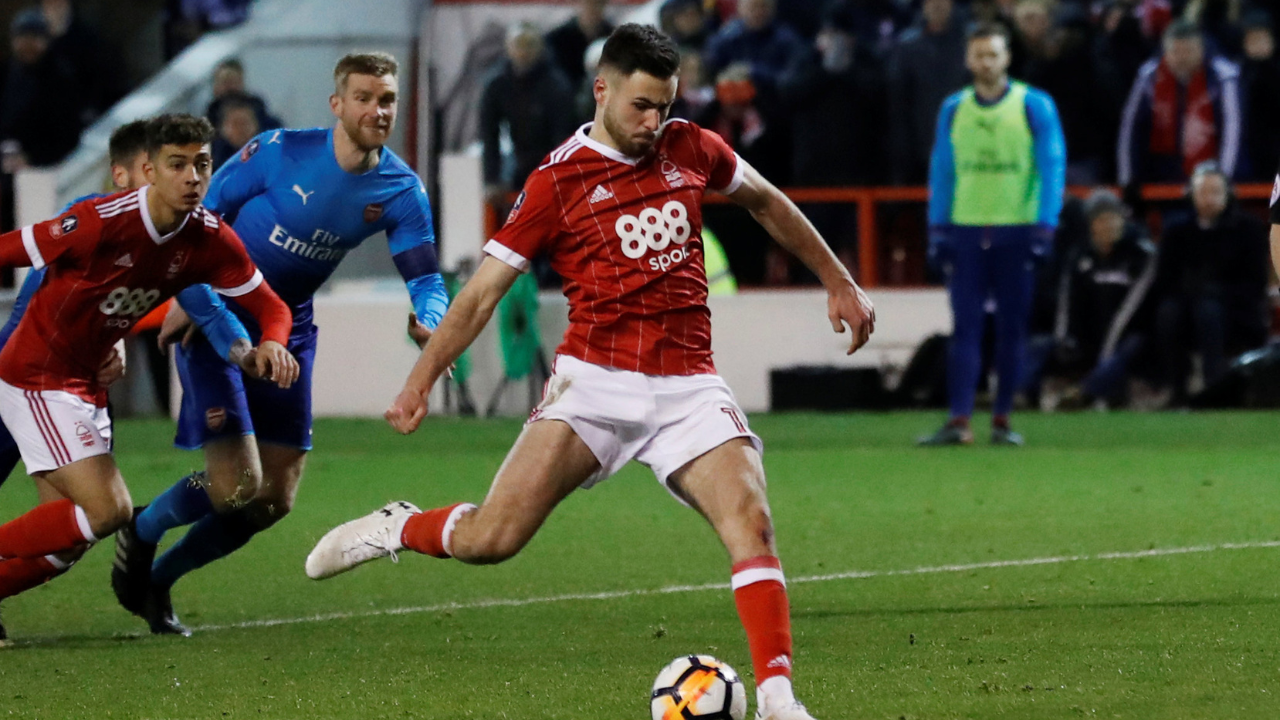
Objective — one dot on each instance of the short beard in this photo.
(353, 132)
(625, 144)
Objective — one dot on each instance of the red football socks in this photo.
(22, 574)
(430, 532)
(760, 592)
(47, 529)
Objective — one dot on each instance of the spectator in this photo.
(751, 127)
(926, 67)
(833, 91)
(186, 20)
(1057, 57)
(1260, 83)
(228, 82)
(568, 43)
(237, 127)
(694, 93)
(757, 41)
(41, 106)
(686, 22)
(1102, 323)
(1219, 20)
(1184, 109)
(1212, 284)
(585, 102)
(532, 100)
(1120, 47)
(74, 43)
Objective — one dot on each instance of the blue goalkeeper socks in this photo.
(214, 536)
(184, 503)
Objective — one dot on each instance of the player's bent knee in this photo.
(109, 515)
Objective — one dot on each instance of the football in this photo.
(698, 686)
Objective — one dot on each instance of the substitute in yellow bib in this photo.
(996, 179)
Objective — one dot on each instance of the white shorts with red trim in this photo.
(53, 428)
(664, 422)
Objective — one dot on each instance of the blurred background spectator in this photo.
(1211, 284)
(568, 42)
(237, 124)
(756, 46)
(1103, 319)
(229, 88)
(1184, 109)
(41, 108)
(926, 67)
(186, 20)
(1260, 86)
(687, 22)
(528, 100)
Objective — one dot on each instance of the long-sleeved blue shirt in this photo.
(1049, 149)
(299, 213)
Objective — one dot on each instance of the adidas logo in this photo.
(601, 193)
(782, 661)
(125, 260)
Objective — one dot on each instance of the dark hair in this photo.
(127, 141)
(984, 30)
(634, 47)
(1182, 30)
(177, 129)
(376, 64)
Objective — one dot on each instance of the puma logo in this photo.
(303, 193)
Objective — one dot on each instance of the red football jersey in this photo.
(107, 267)
(626, 236)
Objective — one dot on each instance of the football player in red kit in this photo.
(618, 210)
(109, 261)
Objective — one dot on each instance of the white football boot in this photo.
(376, 535)
(793, 710)
(775, 701)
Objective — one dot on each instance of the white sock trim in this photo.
(744, 578)
(446, 535)
(83, 521)
(57, 563)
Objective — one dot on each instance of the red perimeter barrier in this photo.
(869, 198)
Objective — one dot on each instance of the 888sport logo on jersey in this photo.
(662, 231)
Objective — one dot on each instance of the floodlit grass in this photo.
(1191, 635)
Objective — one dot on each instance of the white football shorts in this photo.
(53, 428)
(663, 421)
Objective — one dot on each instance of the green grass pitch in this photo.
(1191, 634)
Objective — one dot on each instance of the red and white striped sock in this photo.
(760, 592)
(47, 529)
(21, 574)
(431, 532)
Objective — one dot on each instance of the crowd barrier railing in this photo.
(869, 199)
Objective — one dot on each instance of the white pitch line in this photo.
(673, 589)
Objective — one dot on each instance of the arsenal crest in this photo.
(372, 212)
(215, 418)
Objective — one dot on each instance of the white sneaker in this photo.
(373, 536)
(790, 711)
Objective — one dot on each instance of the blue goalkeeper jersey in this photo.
(299, 214)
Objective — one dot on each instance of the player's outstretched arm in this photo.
(847, 304)
(466, 317)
